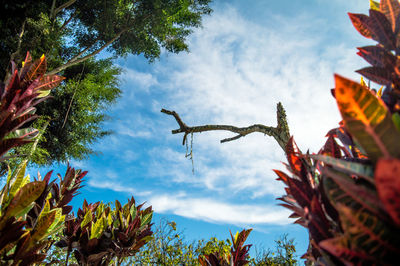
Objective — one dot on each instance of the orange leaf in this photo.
(367, 119)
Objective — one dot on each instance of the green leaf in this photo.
(25, 211)
(362, 170)
(19, 177)
(97, 229)
(133, 211)
(23, 198)
(396, 120)
(367, 119)
(147, 219)
(42, 226)
(87, 218)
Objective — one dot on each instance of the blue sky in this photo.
(248, 56)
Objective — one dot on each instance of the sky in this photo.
(247, 57)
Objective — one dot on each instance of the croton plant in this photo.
(32, 212)
(348, 195)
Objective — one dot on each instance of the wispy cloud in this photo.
(235, 74)
(210, 210)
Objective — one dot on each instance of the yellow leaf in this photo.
(87, 219)
(374, 5)
(363, 82)
(379, 94)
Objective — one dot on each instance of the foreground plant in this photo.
(30, 211)
(34, 212)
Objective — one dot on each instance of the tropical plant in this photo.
(30, 211)
(99, 234)
(19, 95)
(238, 256)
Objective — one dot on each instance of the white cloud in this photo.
(138, 80)
(210, 210)
(117, 187)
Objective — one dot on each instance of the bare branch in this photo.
(280, 133)
(67, 21)
(63, 6)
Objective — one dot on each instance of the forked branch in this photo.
(280, 132)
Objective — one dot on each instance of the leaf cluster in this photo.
(99, 234)
(347, 194)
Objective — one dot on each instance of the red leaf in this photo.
(293, 156)
(331, 148)
(360, 22)
(391, 9)
(381, 29)
(376, 74)
(377, 56)
(300, 191)
(338, 247)
(387, 181)
(282, 176)
(49, 82)
(37, 69)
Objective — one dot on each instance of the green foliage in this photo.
(78, 111)
(167, 247)
(284, 254)
(70, 33)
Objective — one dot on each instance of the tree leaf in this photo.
(49, 82)
(367, 119)
(364, 170)
(387, 175)
(19, 177)
(97, 229)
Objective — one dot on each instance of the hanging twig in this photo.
(73, 96)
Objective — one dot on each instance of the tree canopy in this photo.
(71, 33)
